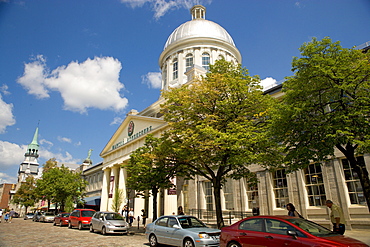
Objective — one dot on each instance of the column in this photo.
(105, 189)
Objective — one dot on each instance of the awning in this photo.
(92, 201)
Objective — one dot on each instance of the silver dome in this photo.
(199, 28)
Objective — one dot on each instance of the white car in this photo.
(108, 222)
(181, 230)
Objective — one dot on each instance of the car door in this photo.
(95, 221)
(161, 231)
(250, 232)
(176, 235)
(74, 217)
(276, 234)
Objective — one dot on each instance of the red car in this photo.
(61, 219)
(80, 218)
(282, 231)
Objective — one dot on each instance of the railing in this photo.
(209, 216)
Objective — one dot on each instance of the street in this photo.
(28, 233)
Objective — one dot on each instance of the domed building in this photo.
(189, 50)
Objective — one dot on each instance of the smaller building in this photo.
(6, 193)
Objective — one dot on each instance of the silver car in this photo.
(181, 230)
(47, 217)
(108, 222)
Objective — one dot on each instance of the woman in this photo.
(291, 210)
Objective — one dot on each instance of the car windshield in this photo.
(87, 213)
(64, 215)
(113, 216)
(190, 222)
(311, 227)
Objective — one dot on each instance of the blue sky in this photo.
(76, 67)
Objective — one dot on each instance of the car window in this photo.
(190, 222)
(64, 215)
(172, 222)
(113, 216)
(87, 213)
(311, 227)
(252, 225)
(278, 227)
(162, 221)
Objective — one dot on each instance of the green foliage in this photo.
(326, 106)
(219, 126)
(57, 184)
(117, 200)
(26, 194)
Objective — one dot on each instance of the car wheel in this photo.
(233, 244)
(91, 228)
(54, 224)
(60, 224)
(79, 226)
(188, 243)
(153, 241)
(69, 225)
(104, 231)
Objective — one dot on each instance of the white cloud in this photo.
(268, 82)
(64, 139)
(161, 7)
(152, 79)
(116, 120)
(4, 89)
(6, 115)
(5, 178)
(11, 154)
(60, 157)
(93, 83)
(43, 142)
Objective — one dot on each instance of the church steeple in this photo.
(30, 165)
(33, 147)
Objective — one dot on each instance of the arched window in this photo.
(189, 61)
(175, 72)
(205, 60)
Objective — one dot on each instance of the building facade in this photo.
(187, 54)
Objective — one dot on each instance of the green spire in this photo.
(33, 147)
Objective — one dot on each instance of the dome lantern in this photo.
(198, 12)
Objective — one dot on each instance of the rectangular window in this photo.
(252, 195)
(280, 188)
(355, 191)
(228, 195)
(175, 70)
(315, 185)
(208, 195)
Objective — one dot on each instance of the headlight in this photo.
(108, 223)
(85, 221)
(203, 235)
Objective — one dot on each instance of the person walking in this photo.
(143, 216)
(180, 211)
(131, 216)
(336, 217)
(11, 215)
(1, 214)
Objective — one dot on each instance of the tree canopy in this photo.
(218, 125)
(326, 106)
(26, 194)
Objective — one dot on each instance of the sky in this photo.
(75, 68)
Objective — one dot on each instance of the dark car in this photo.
(80, 218)
(181, 230)
(282, 231)
(61, 219)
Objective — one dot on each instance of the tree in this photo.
(117, 200)
(26, 194)
(59, 184)
(151, 168)
(326, 106)
(218, 125)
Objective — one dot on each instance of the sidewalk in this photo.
(360, 234)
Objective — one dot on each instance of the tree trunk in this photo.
(217, 196)
(155, 196)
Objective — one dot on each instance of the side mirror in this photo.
(293, 234)
(176, 226)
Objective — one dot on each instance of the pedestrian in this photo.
(180, 211)
(131, 216)
(11, 215)
(336, 217)
(292, 211)
(125, 213)
(143, 216)
(6, 217)
(1, 214)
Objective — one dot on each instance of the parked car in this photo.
(181, 230)
(37, 216)
(47, 217)
(61, 219)
(108, 222)
(282, 231)
(80, 218)
(29, 216)
(16, 215)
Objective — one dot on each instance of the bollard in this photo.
(138, 222)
